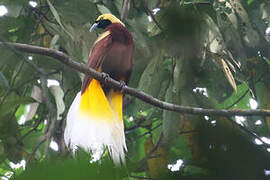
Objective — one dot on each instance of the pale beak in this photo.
(93, 27)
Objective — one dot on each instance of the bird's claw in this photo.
(105, 77)
(122, 85)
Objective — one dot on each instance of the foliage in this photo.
(209, 54)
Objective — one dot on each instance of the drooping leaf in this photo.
(103, 9)
(3, 81)
(228, 74)
(12, 102)
(53, 42)
(58, 95)
(241, 96)
(57, 18)
(37, 95)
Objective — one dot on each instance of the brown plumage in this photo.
(95, 117)
(113, 54)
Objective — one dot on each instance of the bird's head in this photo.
(105, 20)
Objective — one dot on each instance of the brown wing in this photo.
(118, 62)
(96, 58)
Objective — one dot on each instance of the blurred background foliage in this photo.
(200, 53)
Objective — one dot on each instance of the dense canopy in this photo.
(212, 54)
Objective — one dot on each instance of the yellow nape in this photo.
(116, 99)
(94, 103)
(110, 17)
(102, 36)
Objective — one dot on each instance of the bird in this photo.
(95, 117)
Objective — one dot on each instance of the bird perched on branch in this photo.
(95, 117)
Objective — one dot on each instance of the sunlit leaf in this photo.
(228, 74)
(239, 99)
(58, 95)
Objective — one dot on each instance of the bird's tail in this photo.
(95, 121)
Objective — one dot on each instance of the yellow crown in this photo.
(111, 18)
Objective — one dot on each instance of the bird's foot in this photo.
(105, 77)
(122, 85)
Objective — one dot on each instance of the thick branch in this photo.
(67, 60)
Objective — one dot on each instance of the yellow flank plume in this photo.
(95, 104)
(116, 99)
(95, 121)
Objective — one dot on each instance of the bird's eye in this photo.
(96, 21)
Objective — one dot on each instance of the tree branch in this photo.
(67, 60)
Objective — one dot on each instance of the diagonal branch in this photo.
(67, 60)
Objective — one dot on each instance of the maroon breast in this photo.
(118, 60)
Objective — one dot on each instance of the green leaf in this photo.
(179, 149)
(192, 170)
(3, 81)
(267, 61)
(70, 169)
(242, 104)
(57, 17)
(33, 138)
(78, 13)
(153, 76)
(249, 2)
(58, 94)
(103, 9)
(54, 41)
(118, 4)
(20, 111)
(11, 103)
(14, 11)
(14, 8)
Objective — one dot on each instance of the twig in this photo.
(150, 131)
(43, 139)
(32, 130)
(249, 132)
(67, 60)
(149, 12)
(138, 125)
(150, 152)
